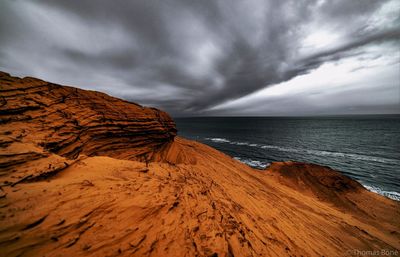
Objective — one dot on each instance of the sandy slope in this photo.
(190, 200)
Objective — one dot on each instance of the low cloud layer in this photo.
(203, 57)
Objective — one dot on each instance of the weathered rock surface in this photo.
(85, 174)
(66, 121)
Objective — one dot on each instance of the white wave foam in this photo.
(310, 151)
(253, 163)
(390, 194)
(219, 140)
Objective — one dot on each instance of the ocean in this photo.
(365, 148)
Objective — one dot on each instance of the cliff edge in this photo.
(86, 174)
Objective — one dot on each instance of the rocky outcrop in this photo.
(67, 122)
(85, 174)
(316, 180)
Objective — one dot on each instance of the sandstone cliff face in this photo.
(85, 174)
(67, 121)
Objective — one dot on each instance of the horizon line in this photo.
(285, 116)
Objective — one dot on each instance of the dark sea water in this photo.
(366, 148)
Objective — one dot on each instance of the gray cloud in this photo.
(182, 56)
(342, 51)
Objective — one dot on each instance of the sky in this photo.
(214, 57)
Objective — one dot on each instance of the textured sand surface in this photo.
(85, 174)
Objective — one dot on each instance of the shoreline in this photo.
(262, 165)
(375, 189)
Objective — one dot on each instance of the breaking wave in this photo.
(253, 163)
(390, 194)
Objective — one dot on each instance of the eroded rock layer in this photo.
(67, 121)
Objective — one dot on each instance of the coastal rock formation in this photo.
(41, 120)
(86, 174)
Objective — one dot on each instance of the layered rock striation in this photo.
(68, 121)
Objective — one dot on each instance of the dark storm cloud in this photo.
(182, 56)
